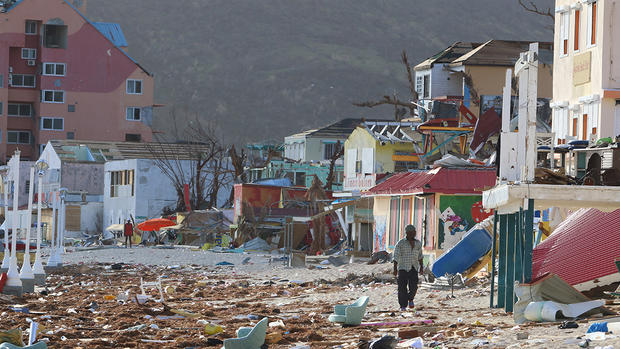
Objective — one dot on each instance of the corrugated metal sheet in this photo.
(439, 180)
(113, 32)
(582, 248)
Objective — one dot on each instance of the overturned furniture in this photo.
(350, 314)
(249, 337)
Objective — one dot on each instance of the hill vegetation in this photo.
(265, 69)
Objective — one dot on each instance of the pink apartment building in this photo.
(65, 77)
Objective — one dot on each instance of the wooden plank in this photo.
(73, 217)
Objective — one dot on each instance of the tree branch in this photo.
(531, 7)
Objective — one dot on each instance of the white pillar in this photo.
(26, 272)
(51, 262)
(7, 255)
(39, 271)
(13, 280)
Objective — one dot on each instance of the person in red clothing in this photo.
(128, 232)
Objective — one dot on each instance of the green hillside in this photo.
(267, 68)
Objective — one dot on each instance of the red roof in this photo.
(582, 248)
(438, 180)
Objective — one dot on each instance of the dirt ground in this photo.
(75, 313)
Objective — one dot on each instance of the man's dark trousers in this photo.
(407, 279)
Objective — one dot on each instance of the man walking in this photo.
(408, 260)
(128, 232)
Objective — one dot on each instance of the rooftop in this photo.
(339, 129)
(100, 152)
(492, 53)
(438, 180)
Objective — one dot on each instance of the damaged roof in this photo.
(499, 53)
(438, 180)
(448, 55)
(582, 250)
(340, 129)
(100, 152)
(492, 52)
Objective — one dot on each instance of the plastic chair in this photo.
(249, 337)
(350, 314)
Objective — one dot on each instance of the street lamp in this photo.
(37, 268)
(26, 275)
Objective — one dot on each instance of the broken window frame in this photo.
(57, 39)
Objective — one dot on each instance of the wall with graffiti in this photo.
(458, 214)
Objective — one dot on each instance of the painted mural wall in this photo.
(458, 214)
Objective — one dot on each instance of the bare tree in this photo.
(332, 164)
(410, 104)
(197, 159)
(530, 6)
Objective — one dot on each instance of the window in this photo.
(29, 53)
(577, 26)
(132, 137)
(18, 137)
(592, 19)
(22, 80)
(427, 86)
(419, 85)
(331, 149)
(71, 108)
(31, 28)
(52, 96)
(134, 87)
(55, 36)
(54, 69)
(564, 31)
(404, 166)
(19, 109)
(54, 124)
(121, 178)
(133, 113)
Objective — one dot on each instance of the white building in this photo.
(586, 73)
(138, 188)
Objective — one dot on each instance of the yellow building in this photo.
(378, 147)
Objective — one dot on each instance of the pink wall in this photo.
(95, 80)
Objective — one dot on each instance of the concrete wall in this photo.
(84, 177)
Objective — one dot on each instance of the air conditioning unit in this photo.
(32, 63)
